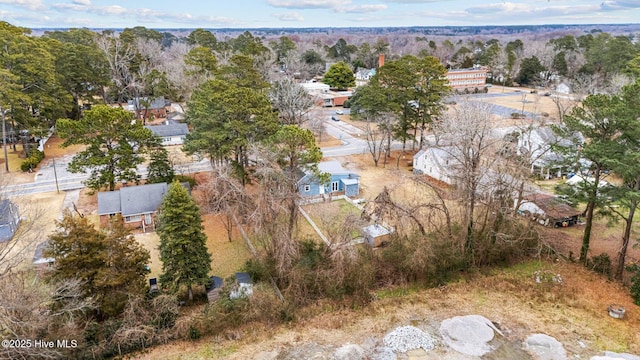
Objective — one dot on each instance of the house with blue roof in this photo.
(341, 181)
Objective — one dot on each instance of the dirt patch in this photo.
(53, 148)
(524, 100)
(16, 157)
(39, 213)
(327, 141)
(227, 257)
(373, 179)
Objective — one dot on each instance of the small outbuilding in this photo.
(549, 210)
(243, 286)
(213, 288)
(375, 235)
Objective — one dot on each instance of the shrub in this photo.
(600, 264)
(635, 282)
(188, 179)
(32, 161)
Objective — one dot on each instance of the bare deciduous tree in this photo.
(119, 57)
(222, 193)
(377, 136)
(291, 100)
(466, 134)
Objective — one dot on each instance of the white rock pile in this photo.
(405, 338)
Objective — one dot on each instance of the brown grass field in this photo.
(574, 313)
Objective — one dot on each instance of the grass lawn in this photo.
(328, 216)
(227, 257)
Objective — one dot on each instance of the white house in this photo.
(537, 143)
(171, 134)
(435, 163)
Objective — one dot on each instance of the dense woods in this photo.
(251, 118)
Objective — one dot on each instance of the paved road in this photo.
(353, 142)
(45, 178)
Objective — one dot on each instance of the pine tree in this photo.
(109, 263)
(183, 249)
(160, 169)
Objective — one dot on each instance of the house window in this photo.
(335, 186)
(130, 219)
(307, 188)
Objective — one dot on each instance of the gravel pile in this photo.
(405, 338)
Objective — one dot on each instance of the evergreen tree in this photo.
(598, 120)
(114, 145)
(110, 263)
(160, 169)
(340, 76)
(183, 249)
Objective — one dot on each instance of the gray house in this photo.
(9, 220)
(538, 143)
(341, 181)
(171, 134)
(137, 204)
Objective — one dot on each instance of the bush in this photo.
(32, 161)
(187, 179)
(635, 283)
(600, 264)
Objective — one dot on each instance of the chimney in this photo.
(380, 60)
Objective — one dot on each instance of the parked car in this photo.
(334, 118)
(339, 112)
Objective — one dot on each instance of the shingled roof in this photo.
(132, 200)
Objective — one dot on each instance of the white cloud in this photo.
(289, 16)
(620, 5)
(416, 1)
(308, 4)
(361, 9)
(27, 4)
(82, 2)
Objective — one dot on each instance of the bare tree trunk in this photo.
(591, 205)
(622, 253)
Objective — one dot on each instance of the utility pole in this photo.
(55, 175)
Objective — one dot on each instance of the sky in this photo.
(162, 14)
